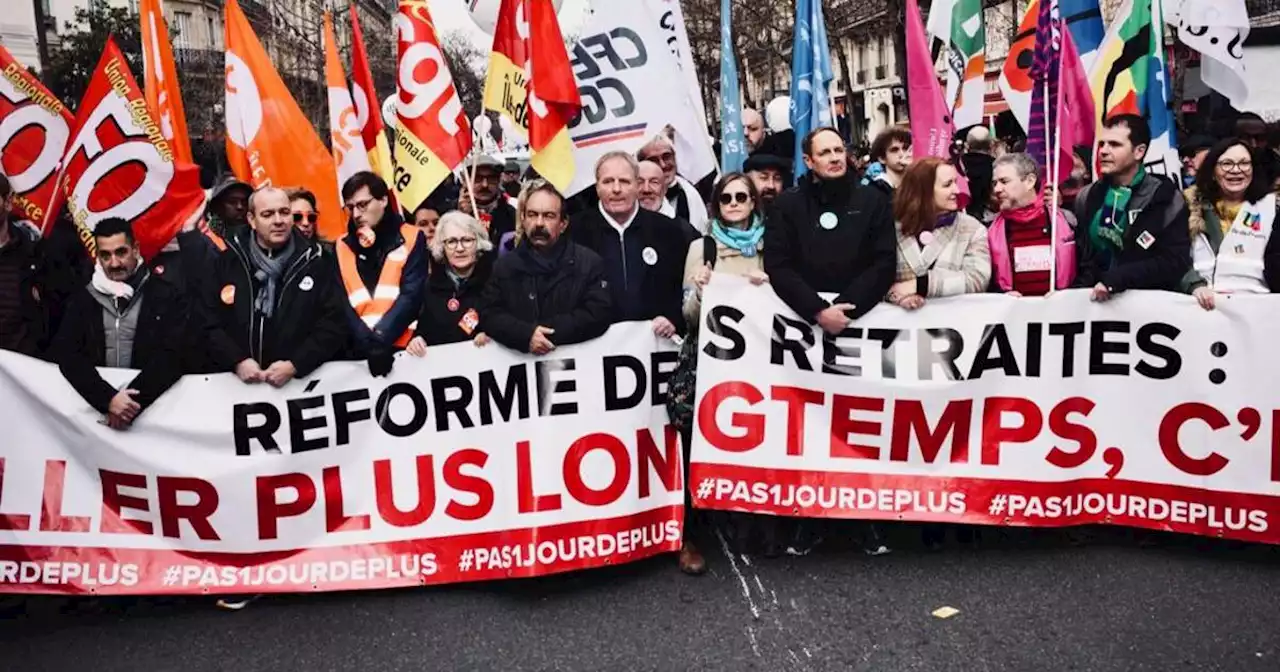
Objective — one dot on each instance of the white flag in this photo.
(1217, 29)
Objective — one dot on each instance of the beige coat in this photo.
(728, 260)
(957, 260)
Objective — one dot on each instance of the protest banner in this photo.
(34, 129)
(1146, 411)
(470, 464)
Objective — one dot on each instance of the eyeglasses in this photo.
(311, 217)
(665, 157)
(738, 197)
(359, 206)
(459, 243)
(1235, 166)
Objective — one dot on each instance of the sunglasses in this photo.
(311, 217)
(738, 197)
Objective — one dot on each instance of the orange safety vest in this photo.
(214, 238)
(371, 308)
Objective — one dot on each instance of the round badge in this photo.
(649, 255)
(160, 269)
(828, 220)
(453, 305)
(306, 284)
(926, 237)
(228, 294)
(366, 236)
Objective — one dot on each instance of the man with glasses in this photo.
(643, 251)
(485, 187)
(681, 193)
(383, 263)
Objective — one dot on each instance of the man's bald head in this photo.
(752, 128)
(271, 217)
(978, 140)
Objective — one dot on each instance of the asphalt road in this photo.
(1026, 601)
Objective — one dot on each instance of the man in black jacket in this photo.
(830, 235)
(1133, 230)
(23, 307)
(643, 251)
(485, 185)
(275, 308)
(127, 317)
(549, 291)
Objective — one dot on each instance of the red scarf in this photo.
(1034, 213)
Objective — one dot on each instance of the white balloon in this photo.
(485, 12)
(778, 114)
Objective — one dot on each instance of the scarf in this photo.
(1227, 214)
(1032, 213)
(108, 287)
(268, 271)
(543, 263)
(746, 241)
(1107, 233)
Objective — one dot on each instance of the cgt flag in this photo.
(433, 135)
(349, 155)
(160, 80)
(531, 83)
(368, 109)
(120, 165)
(269, 140)
(34, 129)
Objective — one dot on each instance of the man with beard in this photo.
(643, 251)
(681, 193)
(752, 129)
(383, 263)
(549, 291)
(485, 187)
(831, 235)
(769, 174)
(653, 191)
(127, 318)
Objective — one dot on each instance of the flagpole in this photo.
(1051, 174)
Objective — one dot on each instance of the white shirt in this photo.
(620, 228)
(697, 206)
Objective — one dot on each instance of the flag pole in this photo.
(1051, 175)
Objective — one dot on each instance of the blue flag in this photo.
(810, 76)
(733, 151)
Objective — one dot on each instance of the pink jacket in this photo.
(1002, 262)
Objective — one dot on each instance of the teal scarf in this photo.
(746, 241)
(1109, 224)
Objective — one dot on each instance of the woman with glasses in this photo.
(462, 262)
(1232, 214)
(305, 213)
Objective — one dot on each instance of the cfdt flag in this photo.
(345, 139)
(365, 97)
(960, 26)
(810, 76)
(269, 140)
(530, 82)
(34, 129)
(160, 79)
(733, 150)
(119, 163)
(1130, 76)
(433, 135)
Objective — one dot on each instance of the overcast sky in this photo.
(453, 16)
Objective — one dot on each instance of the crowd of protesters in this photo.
(248, 287)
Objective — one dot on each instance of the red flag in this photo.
(368, 109)
(34, 128)
(119, 164)
(531, 82)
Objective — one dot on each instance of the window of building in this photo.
(182, 26)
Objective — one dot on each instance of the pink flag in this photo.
(1075, 105)
(931, 123)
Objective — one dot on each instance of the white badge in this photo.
(306, 284)
(1032, 258)
(925, 237)
(1146, 240)
(649, 255)
(828, 220)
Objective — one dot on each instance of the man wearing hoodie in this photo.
(383, 263)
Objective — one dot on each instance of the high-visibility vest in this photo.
(372, 307)
(213, 237)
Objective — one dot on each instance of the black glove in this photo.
(380, 362)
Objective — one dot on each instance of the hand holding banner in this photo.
(34, 129)
(119, 164)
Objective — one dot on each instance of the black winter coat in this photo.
(440, 324)
(158, 345)
(573, 300)
(309, 327)
(660, 290)
(1158, 218)
(857, 258)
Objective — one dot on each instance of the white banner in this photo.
(632, 86)
(469, 464)
(1144, 411)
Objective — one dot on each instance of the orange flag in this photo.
(368, 108)
(160, 80)
(433, 135)
(349, 155)
(269, 140)
(34, 129)
(531, 83)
